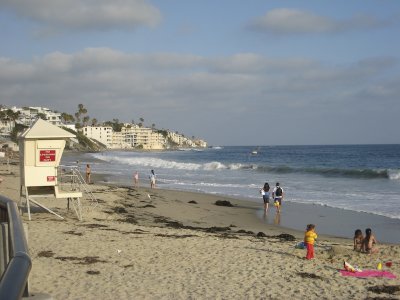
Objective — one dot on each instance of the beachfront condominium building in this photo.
(143, 137)
(103, 134)
(133, 136)
(121, 140)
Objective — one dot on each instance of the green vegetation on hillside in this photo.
(84, 142)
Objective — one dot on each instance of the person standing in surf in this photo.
(136, 179)
(152, 179)
(264, 191)
(277, 195)
(88, 173)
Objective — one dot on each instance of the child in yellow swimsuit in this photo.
(309, 239)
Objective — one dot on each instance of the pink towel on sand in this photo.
(368, 273)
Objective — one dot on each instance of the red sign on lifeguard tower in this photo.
(47, 155)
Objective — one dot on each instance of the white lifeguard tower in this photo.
(41, 147)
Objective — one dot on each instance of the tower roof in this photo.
(45, 130)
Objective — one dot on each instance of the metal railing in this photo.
(14, 277)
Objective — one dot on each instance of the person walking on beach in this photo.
(152, 179)
(309, 239)
(277, 194)
(136, 179)
(264, 191)
(88, 172)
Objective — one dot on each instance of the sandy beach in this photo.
(162, 244)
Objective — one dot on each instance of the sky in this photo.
(231, 72)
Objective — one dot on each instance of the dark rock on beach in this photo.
(223, 203)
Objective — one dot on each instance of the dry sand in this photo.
(155, 244)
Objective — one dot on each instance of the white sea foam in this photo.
(235, 166)
(161, 163)
(149, 162)
(215, 165)
(394, 174)
(226, 186)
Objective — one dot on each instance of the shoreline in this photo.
(332, 222)
(125, 180)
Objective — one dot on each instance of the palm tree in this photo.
(94, 122)
(3, 115)
(42, 116)
(11, 115)
(67, 118)
(85, 120)
(77, 117)
(81, 111)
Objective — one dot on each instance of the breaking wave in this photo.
(337, 172)
(393, 174)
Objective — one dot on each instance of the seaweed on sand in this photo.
(309, 275)
(46, 253)
(120, 210)
(148, 205)
(73, 233)
(286, 237)
(217, 229)
(386, 289)
(95, 225)
(87, 260)
(176, 236)
(90, 272)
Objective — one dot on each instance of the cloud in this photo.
(285, 21)
(86, 14)
(183, 92)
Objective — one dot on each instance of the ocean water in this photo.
(363, 178)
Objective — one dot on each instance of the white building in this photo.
(103, 134)
(6, 127)
(133, 136)
(29, 114)
(144, 137)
